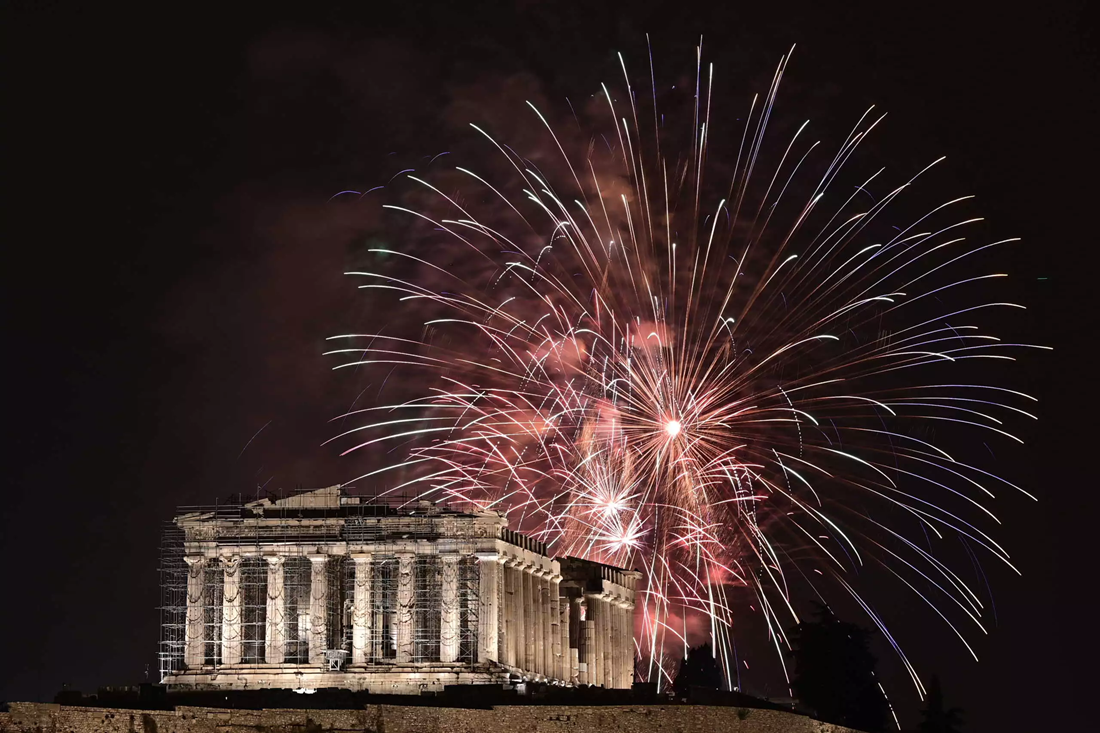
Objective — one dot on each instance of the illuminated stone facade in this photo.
(326, 590)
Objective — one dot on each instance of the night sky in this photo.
(172, 266)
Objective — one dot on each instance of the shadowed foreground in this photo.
(36, 717)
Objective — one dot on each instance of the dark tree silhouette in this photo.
(936, 718)
(835, 673)
(698, 669)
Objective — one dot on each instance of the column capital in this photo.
(450, 556)
(361, 557)
(194, 560)
(230, 562)
(490, 557)
(555, 577)
(275, 560)
(317, 558)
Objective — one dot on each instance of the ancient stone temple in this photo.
(323, 589)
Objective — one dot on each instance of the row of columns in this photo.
(364, 643)
(366, 620)
(523, 623)
(607, 640)
(275, 626)
(536, 633)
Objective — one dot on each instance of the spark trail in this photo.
(649, 365)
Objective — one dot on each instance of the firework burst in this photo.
(722, 384)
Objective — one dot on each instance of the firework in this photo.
(723, 379)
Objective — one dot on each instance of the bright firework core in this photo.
(557, 361)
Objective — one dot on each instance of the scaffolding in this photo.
(173, 600)
(253, 610)
(236, 539)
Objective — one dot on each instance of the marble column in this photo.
(231, 610)
(576, 637)
(620, 645)
(405, 599)
(194, 654)
(530, 621)
(548, 627)
(591, 651)
(597, 611)
(509, 575)
(318, 601)
(626, 646)
(275, 636)
(613, 667)
(448, 625)
(556, 624)
(362, 613)
(628, 642)
(379, 636)
(489, 570)
(519, 598)
(605, 642)
(538, 584)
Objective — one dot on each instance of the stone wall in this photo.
(48, 718)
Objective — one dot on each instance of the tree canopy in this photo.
(698, 669)
(938, 719)
(835, 673)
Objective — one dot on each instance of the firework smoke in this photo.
(722, 379)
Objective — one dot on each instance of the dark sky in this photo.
(172, 266)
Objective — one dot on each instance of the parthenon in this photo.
(323, 589)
